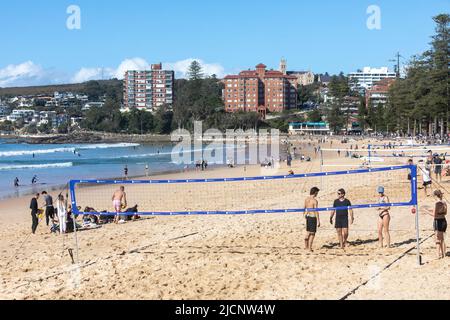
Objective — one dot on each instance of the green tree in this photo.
(31, 128)
(6, 126)
(194, 71)
(163, 121)
(335, 118)
(45, 128)
(94, 90)
(314, 116)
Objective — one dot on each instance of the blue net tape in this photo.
(412, 202)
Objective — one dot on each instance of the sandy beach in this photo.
(223, 257)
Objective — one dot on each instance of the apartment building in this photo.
(148, 89)
(260, 90)
(364, 79)
(378, 95)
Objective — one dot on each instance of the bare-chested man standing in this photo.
(312, 218)
(117, 198)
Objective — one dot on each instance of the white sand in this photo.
(219, 257)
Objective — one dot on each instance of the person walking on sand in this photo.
(146, 170)
(342, 224)
(437, 164)
(385, 219)
(62, 213)
(125, 172)
(49, 209)
(426, 176)
(16, 182)
(440, 222)
(118, 197)
(410, 163)
(34, 213)
(312, 218)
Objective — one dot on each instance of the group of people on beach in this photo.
(53, 212)
(343, 216)
(434, 163)
(341, 222)
(58, 216)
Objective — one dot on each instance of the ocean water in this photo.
(55, 165)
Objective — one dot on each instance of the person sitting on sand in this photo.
(117, 199)
(130, 216)
(312, 218)
(385, 218)
(90, 215)
(342, 217)
(440, 222)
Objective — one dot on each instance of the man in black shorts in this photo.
(342, 217)
(437, 163)
(312, 218)
(49, 209)
(410, 163)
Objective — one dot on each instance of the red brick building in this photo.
(260, 90)
(378, 95)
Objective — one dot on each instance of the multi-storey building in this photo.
(304, 78)
(364, 80)
(260, 90)
(26, 115)
(378, 95)
(148, 89)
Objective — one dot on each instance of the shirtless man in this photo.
(312, 218)
(117, 198)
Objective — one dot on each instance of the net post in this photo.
(321, 167)
(74, 209)
(416, 205)
(370, 155)
(419, 258)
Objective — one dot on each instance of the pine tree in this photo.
(194, 71)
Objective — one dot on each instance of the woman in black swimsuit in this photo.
(440, 223)
(384, 220)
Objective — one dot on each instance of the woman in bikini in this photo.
(440, 222)
(384, 219)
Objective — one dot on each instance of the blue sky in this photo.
(227, 36)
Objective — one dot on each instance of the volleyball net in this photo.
(247, 195)
(380, 156)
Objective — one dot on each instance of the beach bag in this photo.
(54, 228)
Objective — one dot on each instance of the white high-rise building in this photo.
(366, 78)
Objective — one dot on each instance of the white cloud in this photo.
(181, 67)
(29, 74)
(14, 74)
(130, 64)
(86, 74)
